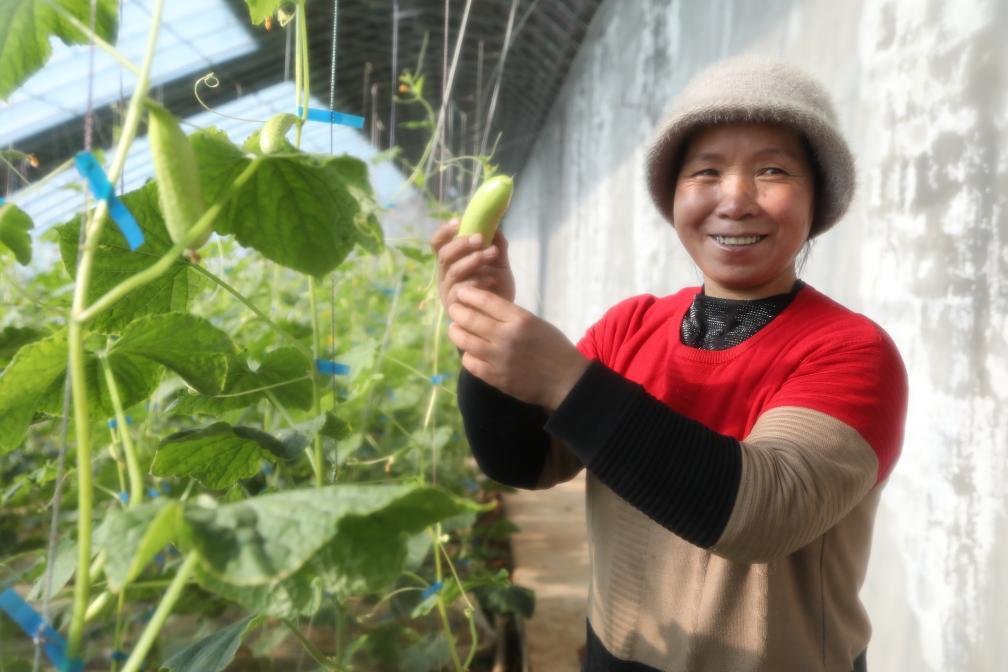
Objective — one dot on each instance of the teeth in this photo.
(738, 240)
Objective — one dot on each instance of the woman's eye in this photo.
(705, 172)
(773, 170)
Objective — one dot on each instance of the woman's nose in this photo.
(738, 198)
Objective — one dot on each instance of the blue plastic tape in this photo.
(327, 117)
(29, 620)
(331, 368)
(432, 589)
(91, 170)
(112, 423)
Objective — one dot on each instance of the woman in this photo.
(735, 435)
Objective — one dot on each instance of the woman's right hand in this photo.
(464, 261)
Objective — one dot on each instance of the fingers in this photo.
(486, 302)
(444, 233)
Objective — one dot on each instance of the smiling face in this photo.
(743, 207)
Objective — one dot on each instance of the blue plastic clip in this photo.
(331, 368)
(112, 423)
(123, 497)
(327, 117)
(41, 632)
(91, 170)
(432, 589)
(437, 379)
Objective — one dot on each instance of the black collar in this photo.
(714, 323)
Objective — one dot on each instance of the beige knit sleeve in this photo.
(802, 472)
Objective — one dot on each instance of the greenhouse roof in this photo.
(46, 115)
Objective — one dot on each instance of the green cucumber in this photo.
(487, 208)
(180, 194)
(272, 137)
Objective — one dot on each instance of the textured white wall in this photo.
(921, 88)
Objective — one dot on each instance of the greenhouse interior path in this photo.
(551, 557)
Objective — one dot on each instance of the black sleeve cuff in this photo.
(672, 468)
(506, 435)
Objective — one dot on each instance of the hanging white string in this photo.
(499, 76)
(332, 279)
(332, 71)
(395, 73)
(439, 128)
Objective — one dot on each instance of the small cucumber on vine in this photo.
(487, 208)
(272, 138)
(180, 194)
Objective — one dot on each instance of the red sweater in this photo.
(816, 354)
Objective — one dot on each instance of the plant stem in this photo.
(164, 608)
(158, 268)
(260, 314)
(312, 650)
(438, 575)
(316, 404)
(117, 637)
(132, 463)
(75, 338)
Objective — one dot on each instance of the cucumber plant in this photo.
(220, 468)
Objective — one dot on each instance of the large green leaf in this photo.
(213, 652)
(27, 25)
(265, 539)
(270, 552)
(24, 383)
(305, 212)
(14, 227)
(187, 344)
(132, 537)
(14, 338)
(218, 455)
(135, 378)
(285, 372)
(114, 262)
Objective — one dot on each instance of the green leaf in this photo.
(14, 227)
(301, 435)
(63, 569)
(285, 371)
(25, 382)
(13, 338)
(506, 598)
(132, 537)
(218, 455)
(215, 651)
(274, 552)
(114, 262)
(188, 345)
(135, 378)
(27, 26)
(302, 211)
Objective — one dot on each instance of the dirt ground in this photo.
(551, 557)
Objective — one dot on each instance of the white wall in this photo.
(921, 88)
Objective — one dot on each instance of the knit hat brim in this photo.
(757, 91)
